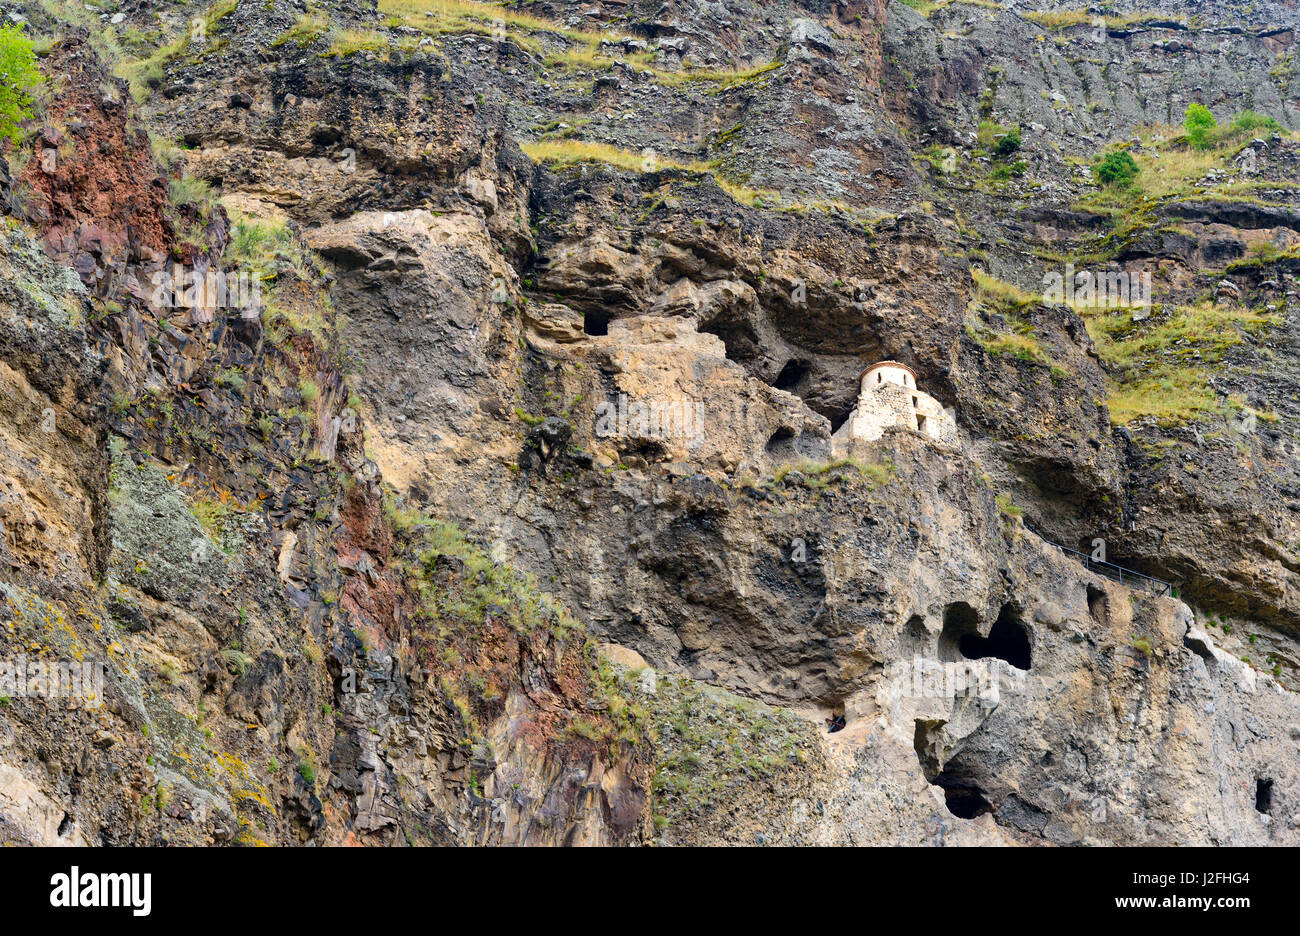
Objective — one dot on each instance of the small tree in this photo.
(1198, 122)
(1009, 143)
(1118, 168)
(18, 76)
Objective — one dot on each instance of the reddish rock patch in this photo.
(92, 185)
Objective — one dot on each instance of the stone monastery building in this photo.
(888, 396)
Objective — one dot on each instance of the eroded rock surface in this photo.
(505, 511)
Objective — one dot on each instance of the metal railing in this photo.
(1116, 573)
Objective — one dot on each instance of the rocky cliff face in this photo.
(482, 490)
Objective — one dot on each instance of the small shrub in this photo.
(308, 28)
(231, 378)
(307, 768)
(1008, 144)
(212, 515)
(529, 419)
(1199, 124)
(256, 241)
(582, 728)
(1249, 121)
(167, 153)
(1008, 507)
(189, 191)
(1118, 169)
(1008, 171)
(1023, 347)
(237, 662)
(1007, 296)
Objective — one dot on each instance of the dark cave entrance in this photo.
(791, 374)
(1008, 640)
(1264, 795)
(737, 334)
(595, 323)
(961, 792)
(959, 621)
(965, 801)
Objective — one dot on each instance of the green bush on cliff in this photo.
(18, 77)
(1249, 121)
(308, 28)
(997, 140)
(1117, 168)
(257, 241)
(1009, 171)
(1008, 143)
(188, 190)
(1199, 124)
(1008, 507)
(307, 767)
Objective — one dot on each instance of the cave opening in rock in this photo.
(966, 802)
(914, 637)
(1008, 640)
(737, 334)
(1264, 795)
(595, 322)
(1199, 645)
(781, 445)
(959, 622)
(961, 792)
(1097, 605)
(791, 374)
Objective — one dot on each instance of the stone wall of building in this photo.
(882, 405)
(883, 374)
(935, 421)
